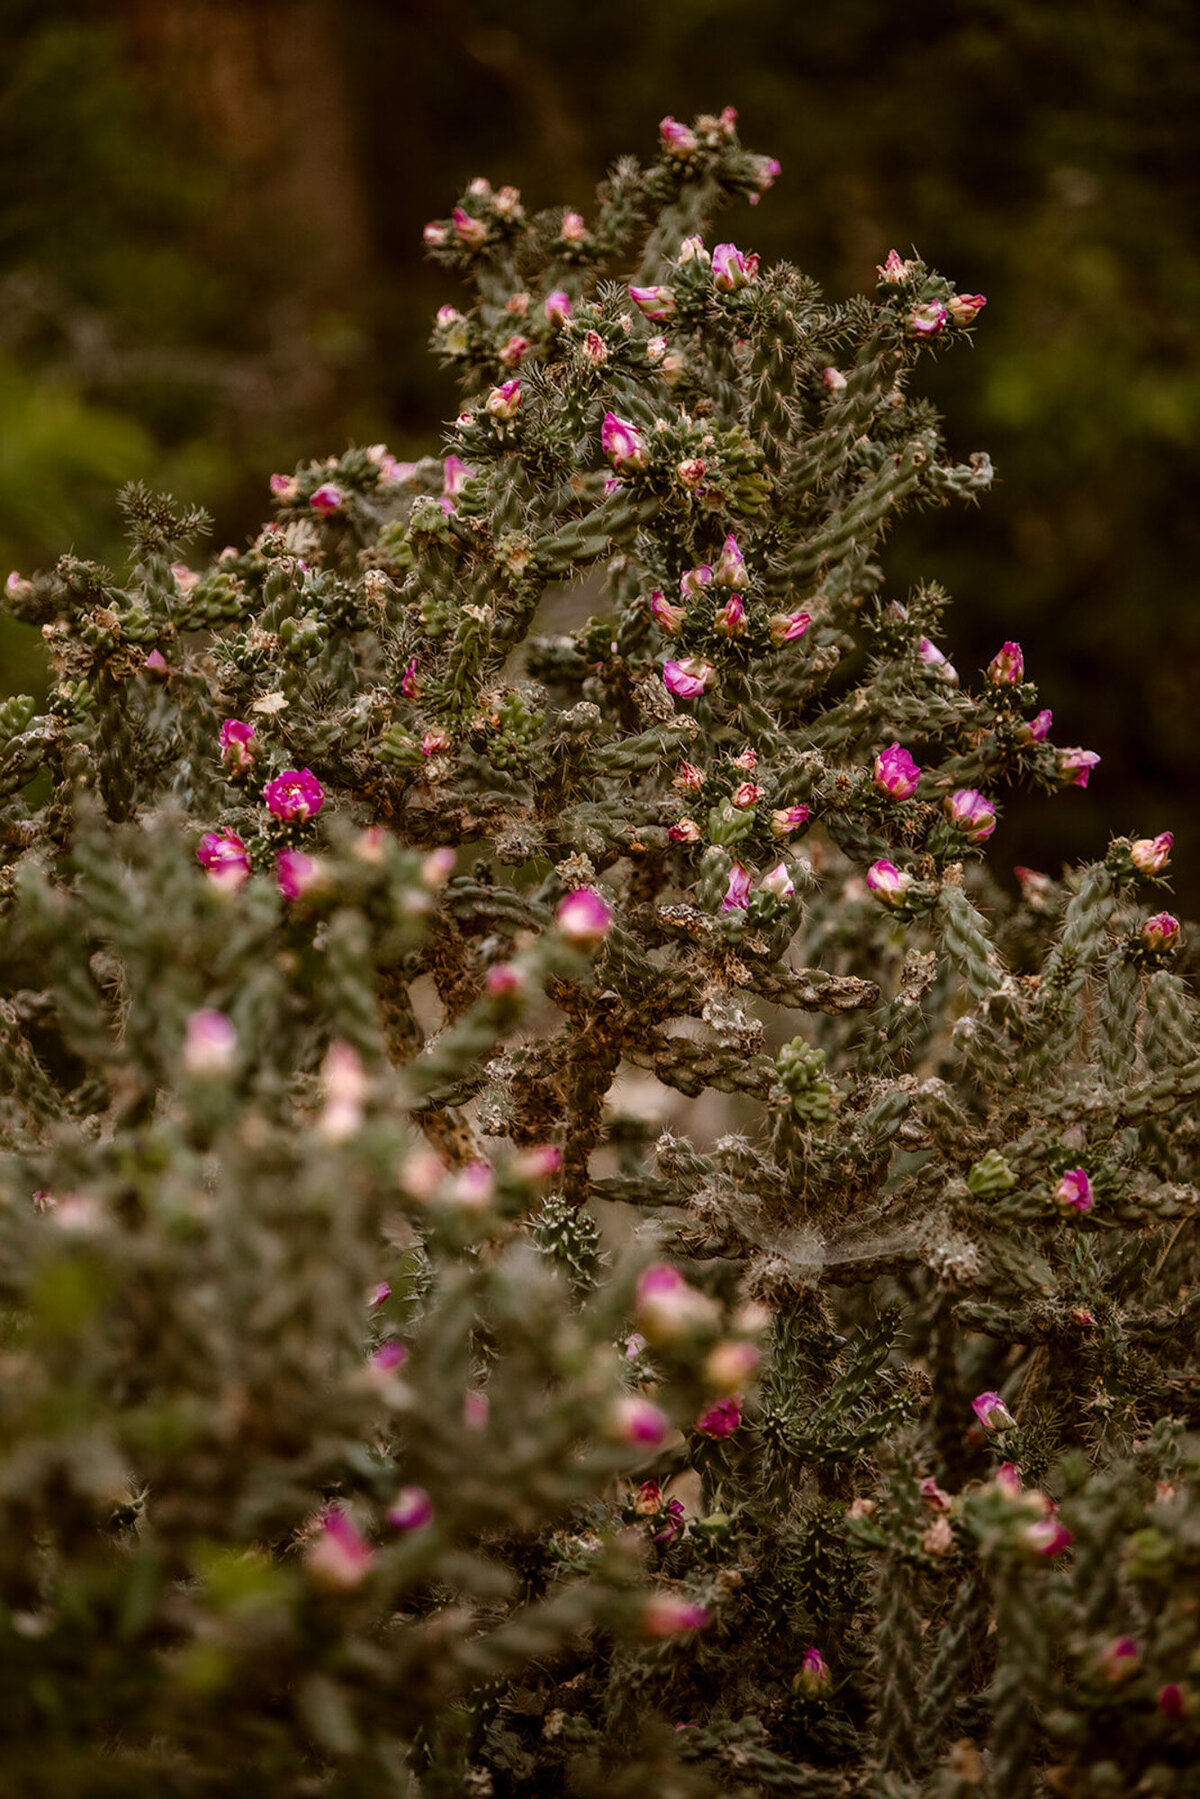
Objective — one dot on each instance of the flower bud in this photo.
(992, 1412)
(722, 1419)
(731, 269)
(210, 1047)
(691, 472)
(1037, 728)
(504, 401)
(668, 1309)
(895, 271)
(671, 1615)
(1007, 666)
(284, 488)
(730, 569)
(583, 919)
(834, 380)
(971, 813)
(654, 303)
(468, 230)
(964, 308)
(1161, 933)
(558, 307)
(1046, 1537)
(516, 347)
(689, 779)
(665, 615)
(222, 855)
(692, 250)
(787, 627)
(1150, 855)
(730, 1364)
(787, 819)
(814, 1678)
(686, 831)
(693, 581)
(572, 230)
(678, 140)
(933, 658)
(888, 883)
(339, 1558)
(1118, 1660)
(747, 793)
(594, 350)
(938, 1538)
(1172, 1702)
(896, 774)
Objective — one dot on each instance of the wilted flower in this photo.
(1150, 855)
(888, 883)
(583, 918)
(686, 831)
(896, 774)
(689, 779)
(295, 795)
(222, 855)
(691, 472)
(737, 894)
(766, 174)
(1074, 1191)
(895, 271)
(992, 1412)
(593, 349)
(972, 813)
(1007, 666)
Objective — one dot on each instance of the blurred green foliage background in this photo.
(211, 266)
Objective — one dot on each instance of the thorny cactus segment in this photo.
(560, 1231)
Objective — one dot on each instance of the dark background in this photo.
(210, 267)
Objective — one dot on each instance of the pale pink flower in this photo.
(572, 230)
(938, 1538)
(210, 1047)
(668, 1309)
(933, 1497)
(895, 271)
(833, 379)
(928, 320)
(1075, 766)
(778, 883)
(435, 742)
(693, 581)
(583, 918)
(467, 230)
(513, 351)
(933, 658)
(766, 173)
(671, 1615)
(678, 140)
(284, 488)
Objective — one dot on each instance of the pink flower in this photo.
(1007, 666)
(938, 1538)
(378, 1295)
(1150, 855)
(455, 474)
(434, 234)
(1119, 1659)
(992, 1412)
(1160, 933)
(678, 140)
(928, 320)
(721, 1419)
(689, 779)
(1008, 1480)
(222, 855)
(786, 627)
(896, 774)
(689, 678)
(516, 347)
(410, 1509)
(636, 1421)
(572, 230)
(933, 658)
(345, 1084)
(730, 620)
(296, 873)
(467, 230)
(327, 499)
(1171, 1702)
(236, 741)
(583, 918)
(1037, 729)
(671, 1615)
(691, 472)
(296, 794)
(408, 680)
(888, 883)
(649, 1499)
(668, 617)
(730, 1364)
(540, 1162)
(622, 443)
(737, 894)
(446, 317)
(1074, 1191)
(932, 1496)
(674, 1526)
(814, 1677)
(654, 302)
(558, 306)
(963, 308)
(895, 271)
(186, 579)
(746, 794)
(787, 819)
(1035, 888)
(693, 581)
(766, 174)
(505, 981)
(476, 1407)
(730, 570)
(156, 665)
(833, 379)
(778, 883)
(503, 402)
(339, 1557)
(594, 350)
(974, 815)
(388, 1357)
(686, 831)
(1075, 766)
(284, 488)
(435, 743)
(210, 1047)
(731, 269)
(667, 1308)
(1046, 1537)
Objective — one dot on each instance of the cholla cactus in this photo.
(391, 1405)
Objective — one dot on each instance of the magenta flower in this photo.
(408, 680)
(731, 269)
(222, 855)
(1074, 1191)
(236, 742)
(992, 1412)
(721, 1419)
(678, 140)
(622, 444)
(583, 918)
(668, 617)
(410, 1509)
(295, 795)
(327, 499)
(766, 174)
(1075, 766)
(896, 774)
(814, 1677)
(558, 306)
(730, 570)
(730, 620)
(504, 401)
(296, 873)
(467, 230)
(379, 1294)
(390, 1355)
(928, 320)
(737, 894)
(1046, 1537)
(747, 793)
(888, 883)
(786, 627)
(654, 302)
(688, 678)
(674, 1525)
(787, 819)
(964, 308)
(1161, 933)
(339, 1557)
(671, 1615)
(504, 980)
(455, 474)
(1037, 728)
(1150, 855)
(636, 1421)
(973, 815)
(1007, 666)
(778, 883)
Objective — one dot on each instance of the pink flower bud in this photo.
(678, 140)
(472, 1189)
(721, 1419)
(1007, 666)
(737, 894)
(778, 883)
(540, 1162)
(447, 316)
(583, 918)
(896, 774)
(339, 1558)
(17, 587)
(297, 874)
(833, 379)
(210, 1047)
(1008, 1480)
(572, 230)
(686, 831)
(971, 813)
(1172, 1702)
(476, 1407)
(516, 347)
(766, 174)
(786, 820)
(786, 627)
(222, 855)
(408, 680)
(636, 1421)
(895, 271)
(671, 1615)
(888, 883)
(1160, 933)
(654, 302)
(648, 1499)
(503, 402)
(455, 474)
(1036, 889)
(467, 230)
(327, 499)
(814, 1677)
(692, 250)
(517, 305)
(730, 1364)
(185, 578)
(1037, 729)
(963, 308)
(928, 320)
(668, 1309)
(1118, 1660)
(731, 269)
(730, 570)
(1046, 1537)
(1075, 766)
(284, 488)
(156, 665)
(345, 1084)
(1074, 1191)
(411, 1509)
(933, 658)
(434, 234)
(295, 795)
(558, 306)
(437, 867)
(938, 1538)
(1150, 855)
(379, 1295)
(992, 1412)
(693, 581)
(689, 678)
(622, 444)
(665, 615)
(689, 779)
(748, 793)
(236, 742)
(505, 981)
